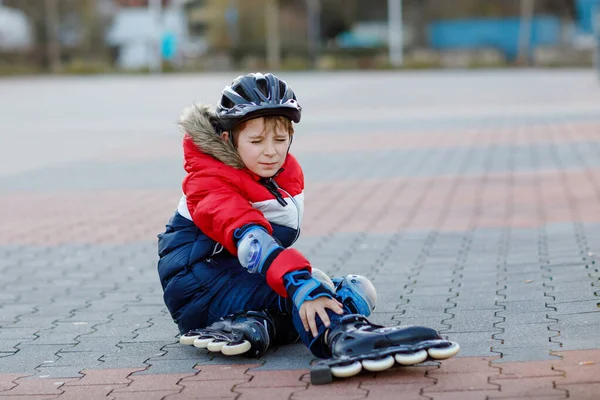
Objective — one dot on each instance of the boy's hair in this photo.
(271, 122)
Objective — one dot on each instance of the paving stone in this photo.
(8, 381)
(155, 395)
(410, 391)
(179, 352)
(582, 391)
(280, 378)
(422, 290)
(515, 319)
(463, 366)
(58, 372)
(207, 389)
(474, 321)
(460, 382)
(218, 372)
(525, 353)
(263, 393)
(35, 386)
(579, 319)
(578, 366)
(158, 366)
(525, 334)
(434, 323)
(527, 369)
(151, 383)
(477, 301)
(477, 287)
(539, 387)
(28, 358)
(466, 395)
(10, 345)
(290, 357)
(570, 296)
(131, 353)
(470, 350)
(80, 359)
(88, 392)
(334, 390)
(585, 373)
(578, 337)
(95, 344)
(524, 307)
(104, 377)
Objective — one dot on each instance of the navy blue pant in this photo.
(249, 292)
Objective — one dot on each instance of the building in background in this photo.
(144, 35)
(99, 35)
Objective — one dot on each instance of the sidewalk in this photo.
(474, 209)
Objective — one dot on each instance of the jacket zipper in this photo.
(274, 188)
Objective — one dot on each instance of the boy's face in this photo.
(263, 151)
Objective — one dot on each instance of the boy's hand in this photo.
(311, 308)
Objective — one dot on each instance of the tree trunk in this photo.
(53, 42)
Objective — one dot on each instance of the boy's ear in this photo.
(225, 135)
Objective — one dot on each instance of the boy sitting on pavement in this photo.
(231, 280)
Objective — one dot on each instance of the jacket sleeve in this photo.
(218, 206)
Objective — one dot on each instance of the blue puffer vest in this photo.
(191, 273)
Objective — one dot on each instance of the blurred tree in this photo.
(52, 24)
(63, 29)
(338, 16)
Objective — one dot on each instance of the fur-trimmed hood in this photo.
(200, 122)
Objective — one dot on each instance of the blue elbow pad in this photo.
(256, 248)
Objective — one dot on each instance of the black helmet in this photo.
(256, 95)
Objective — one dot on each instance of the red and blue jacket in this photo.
(219, 196)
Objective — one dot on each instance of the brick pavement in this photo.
(481, 221)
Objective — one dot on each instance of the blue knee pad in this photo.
(358, 294)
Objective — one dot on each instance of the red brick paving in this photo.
(88, 391)
(567, 196)
(148, 383)
(462, 395)
(520, 136)
(7, 381)
(525, 135)
(265, 393)
(104, 377)
(207, 389)
(156, 395)
(33, 386)
(577, 375)
(218, 372)
(398, 390)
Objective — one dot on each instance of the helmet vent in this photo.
(226, 102)
(242, 92)
(282, 90)
(261, 84)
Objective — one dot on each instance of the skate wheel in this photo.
(202, 343)
(378, 364)
(215, 345)
(188, 338)
(235, 349)
(411, 358)
(441, 353)
(346, 371)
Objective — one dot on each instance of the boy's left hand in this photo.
(311, 308)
